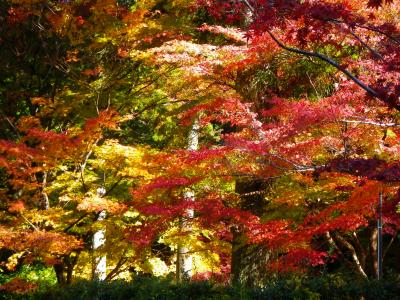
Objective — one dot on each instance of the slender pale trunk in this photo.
(99, 240)
(45, 198)
(184, 262)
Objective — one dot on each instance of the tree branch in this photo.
(108, 191)
(328, 60)
(389, 245)
(367, 27)
(30, 223)
(353, 252)
(122, 260)
(373, 51)
(75, 222)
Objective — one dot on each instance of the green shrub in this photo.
(331, 286)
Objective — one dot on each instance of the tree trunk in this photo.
(374, 250)
(64, 270)
(236, 255)
(45, 199)
(248, 262)
(70, 264)
(184, 263)
(359, 267)
(99, 240)
(59, 269)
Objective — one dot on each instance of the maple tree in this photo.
(317, 136)
(310, 26)
(296, 104)
(53, 142)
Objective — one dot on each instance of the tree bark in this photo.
(99, 240)
(59, 269)
(117, 269)
(64, 270)
(248, 262)
(184, 261)
(45, 199)
(355, 256)
(374, 250)
(362, 252)
(236, 255)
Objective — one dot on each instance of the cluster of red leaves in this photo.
(297, 116)
(373, 168)
(224, 111)
(275, 234)
(17, 15)
(218, 277)
(38, 243)
(40, 150)
(18, 286)
(196, 157)
(288, 120)
(212, 210)
(230, 10)
(390, 216)
(378, 3)
(162, 183)
(143, 235)
(167, 211)
(305, 24)
(107, 119)
(299, 260)
(211, 213)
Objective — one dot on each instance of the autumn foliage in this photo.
(297, 104)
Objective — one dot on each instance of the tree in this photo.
(51, 137)
(327, 27)
(293, 139)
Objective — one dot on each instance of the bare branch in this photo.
(117, 269)
(373, 51)
(367, 27)
(389, 245)
(30, 223)
(353, 252)
(83, 165)
(328, 60)
(75, 222)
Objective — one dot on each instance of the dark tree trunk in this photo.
(248, 262)
(236, 259)
(65, 268)
(59, 269)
